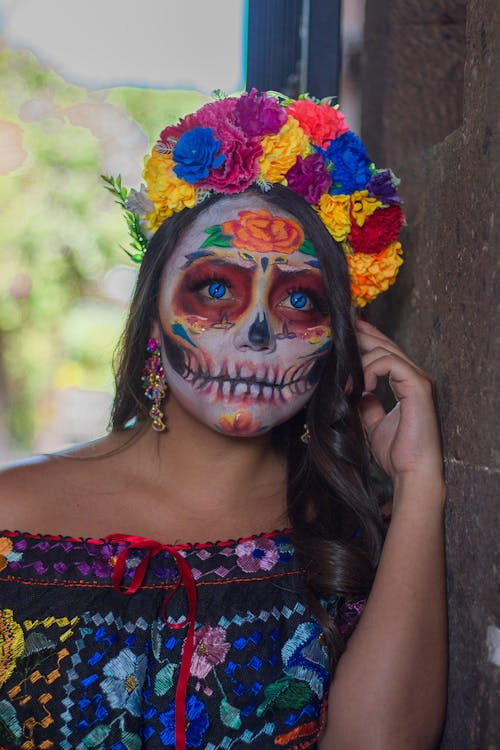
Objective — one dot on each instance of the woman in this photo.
(240, 345)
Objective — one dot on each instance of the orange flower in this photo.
(239, 423)
(264, 233)
(321, 122)
(374, 273)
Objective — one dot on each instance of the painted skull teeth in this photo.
(240, 381)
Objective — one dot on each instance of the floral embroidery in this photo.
(196, 723)
(82, 667)
(7, 553)
(11, 644)
(306, 658)
(210, 648)
(257, 554)
(124, 679)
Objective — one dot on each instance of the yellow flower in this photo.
(11, 644)
(372, 274)
(6, 547)
(334, 211)
(280, 151)
(168, 193)
(363, 205)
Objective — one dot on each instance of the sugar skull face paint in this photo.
(243, 317)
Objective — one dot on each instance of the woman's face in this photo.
(243, 317)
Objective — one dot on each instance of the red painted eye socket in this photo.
(299, 298)
(213, 290)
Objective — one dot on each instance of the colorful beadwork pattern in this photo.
(83, 665)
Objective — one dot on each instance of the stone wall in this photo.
(431, 95)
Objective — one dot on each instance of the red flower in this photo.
(378, 231)
(321, 122)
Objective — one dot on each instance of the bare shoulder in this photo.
(43, 494)
(25, 487)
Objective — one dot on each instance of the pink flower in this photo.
(309, 178)
(171, 134)
(259, 115)
(241, 166)
(210, 648)
(256, 554)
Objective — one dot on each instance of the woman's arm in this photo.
(389, 689)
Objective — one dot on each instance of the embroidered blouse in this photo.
(125, 643)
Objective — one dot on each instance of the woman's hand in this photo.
(405, 442)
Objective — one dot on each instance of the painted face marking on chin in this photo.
(257, 305)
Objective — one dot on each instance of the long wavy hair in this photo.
(336, 522)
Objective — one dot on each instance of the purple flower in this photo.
(351, 165)
(196, 723)
(196, 153)
(102, 560)
(309, 177)
(259, 115)
(210, 648)
(125, 676)
(382, 187)
(256, 554)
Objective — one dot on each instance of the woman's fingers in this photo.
(370, 337)
(404, 377)
(371, 411)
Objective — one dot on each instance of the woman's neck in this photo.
(206, 479)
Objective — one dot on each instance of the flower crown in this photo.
(263, 139)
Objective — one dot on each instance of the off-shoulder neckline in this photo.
(61, 538)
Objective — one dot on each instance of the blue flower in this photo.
(196, 723)
(124, 679)
(306, 658)
(350, 163)
(195, 155)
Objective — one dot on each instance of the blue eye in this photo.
(298, 300)
(217, 289)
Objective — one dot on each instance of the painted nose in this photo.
(257, 335)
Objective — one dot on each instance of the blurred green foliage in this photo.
(60, 232)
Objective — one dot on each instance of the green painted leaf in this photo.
(164, 679)
(97, 735)
(230, 716)
(216, 238)
(307, 247)
(285, 693)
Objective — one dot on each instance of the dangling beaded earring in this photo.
(306, 435)
(155, 384)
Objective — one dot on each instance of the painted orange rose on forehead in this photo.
(261, 232)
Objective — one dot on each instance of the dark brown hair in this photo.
(335, 519)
